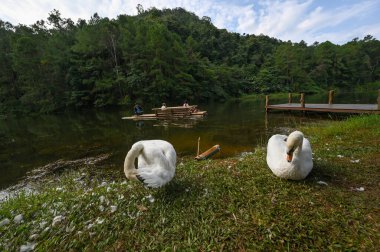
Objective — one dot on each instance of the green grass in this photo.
(230, 204)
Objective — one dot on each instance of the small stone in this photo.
(355, 161)
(340, 156)
(18, 219)
(101, 208)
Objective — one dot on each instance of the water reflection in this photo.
(238, 126)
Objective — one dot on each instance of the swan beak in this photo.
(289, 157)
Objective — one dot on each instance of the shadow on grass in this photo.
(180, 189)
(332, 174)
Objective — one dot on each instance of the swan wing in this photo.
(306, 157)
(276, 152)
(157, 163)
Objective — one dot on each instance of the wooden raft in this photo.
(329, 107)
(174, 112)
(171, 113)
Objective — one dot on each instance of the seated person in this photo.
(163, 106)
(185, 104)
(138, 109)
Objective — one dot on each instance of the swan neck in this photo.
(129, 162)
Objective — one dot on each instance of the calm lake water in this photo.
(238, 126)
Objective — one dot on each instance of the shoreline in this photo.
(228, 203)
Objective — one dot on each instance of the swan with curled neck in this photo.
(290, 157)
(156, 162)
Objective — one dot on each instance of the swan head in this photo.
(293, 141)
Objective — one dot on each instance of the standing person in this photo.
(163, 106)
(185, 104)
(138, 109)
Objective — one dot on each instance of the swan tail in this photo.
(162, 173)
(154, 177)
(129, 166)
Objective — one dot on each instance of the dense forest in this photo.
(163, 55)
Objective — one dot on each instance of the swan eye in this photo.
(290, 151)
(136, 163)
(286, 139)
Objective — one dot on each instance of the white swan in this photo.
(156, 162)
(290, 157)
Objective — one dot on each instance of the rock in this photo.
(4, 222)
(18, 219)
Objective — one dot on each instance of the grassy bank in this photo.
(229, 204)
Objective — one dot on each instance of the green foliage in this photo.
(164, 55)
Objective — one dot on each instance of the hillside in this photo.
(163, 55)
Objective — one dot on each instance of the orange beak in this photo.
(289, 157)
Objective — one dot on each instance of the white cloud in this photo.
(295, 20)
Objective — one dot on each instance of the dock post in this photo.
(302, 100)
(378, 100)
(266, 102)
(331, 97)
(290, 98)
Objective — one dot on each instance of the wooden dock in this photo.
(329, 107)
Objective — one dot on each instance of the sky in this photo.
(338, 21)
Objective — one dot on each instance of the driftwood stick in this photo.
(199, 140)
(290, 98)
(266, 102)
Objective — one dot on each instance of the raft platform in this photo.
(189, 112)
(329, 107)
